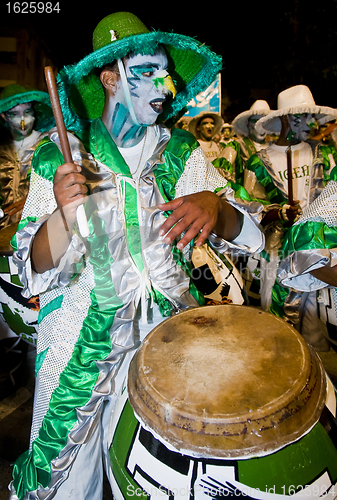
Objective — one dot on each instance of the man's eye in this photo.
(147, 73)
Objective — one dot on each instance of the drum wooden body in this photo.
(230, 401)
(18, 314)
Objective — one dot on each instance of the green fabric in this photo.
(278, 296)
(46, 159)
(53, 305)
(192, 66)
(238, 164)
(309, 235)
(325, 150)
(223, 163)
(40, 357)
(274, 195)
(250, 146)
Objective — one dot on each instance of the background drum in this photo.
(230, 401)
(18, 315)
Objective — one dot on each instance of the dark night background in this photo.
(266, 46)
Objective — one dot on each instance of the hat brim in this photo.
(43, 110)
(272, 122)
(192, 65)
(192, 126)
(240, 122)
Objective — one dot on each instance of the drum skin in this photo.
(227, 382)
(149, 459)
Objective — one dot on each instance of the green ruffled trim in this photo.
(223, 163)
(278, 296)
(53, 305)
(46, 159)
(274, 194)
(309, 235)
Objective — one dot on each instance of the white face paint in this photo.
(147, 80)
(300, 125)
(20, 120)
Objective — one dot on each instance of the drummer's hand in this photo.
(203, 211)
(69, 189)
(294, 212)
(14, 207)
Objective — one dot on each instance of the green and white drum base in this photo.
(193, 385)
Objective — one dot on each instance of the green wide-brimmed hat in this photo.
(15, 94)
(192, 65)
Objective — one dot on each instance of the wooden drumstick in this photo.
(290, 177)
(65, 147)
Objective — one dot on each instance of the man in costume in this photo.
(266, 173)
(205, 127)
(305, 293)
(244, 124)
(25, 117)
(244, 145)
(150, 194)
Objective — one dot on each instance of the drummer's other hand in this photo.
(192, 213)
(69, 189)
(294, 211)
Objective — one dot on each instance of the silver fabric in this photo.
(294, 270)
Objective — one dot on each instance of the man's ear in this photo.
(3, 116)
(109, 80)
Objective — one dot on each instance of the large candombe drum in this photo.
(230, 401)
(18, 314)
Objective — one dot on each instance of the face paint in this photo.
(144, 85)
(163, 79)
(206, 128)
(20, 120)
(149, 85)
(300, 125)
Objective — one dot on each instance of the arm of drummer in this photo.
(326, 274)
(52, 239)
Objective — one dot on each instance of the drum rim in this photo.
(154, 419)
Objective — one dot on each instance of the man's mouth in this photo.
(157, 105)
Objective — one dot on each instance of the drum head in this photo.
(226, 381)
